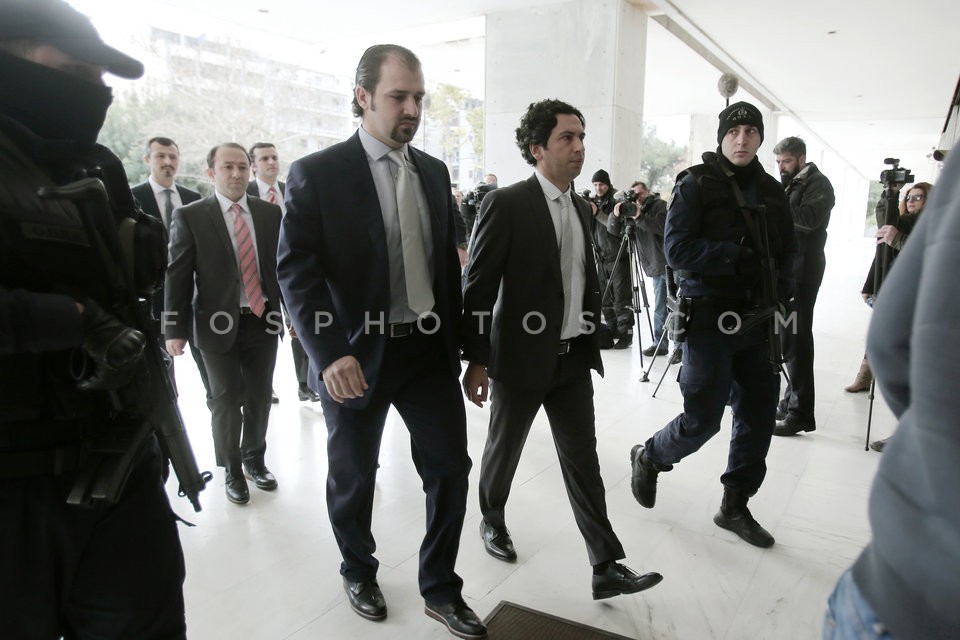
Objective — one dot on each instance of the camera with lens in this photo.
(896, 174)
(473, 198)
(629, 209)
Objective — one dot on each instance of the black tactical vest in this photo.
(722, 219)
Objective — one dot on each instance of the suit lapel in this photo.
(544, 228)
(356, 171)
(434, 208)
(219, 226)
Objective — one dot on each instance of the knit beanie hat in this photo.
(601, 176)
(739, 113)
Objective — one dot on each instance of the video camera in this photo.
(897, 174)
(473, 198)
(629, 209)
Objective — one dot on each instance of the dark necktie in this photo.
(168, 208)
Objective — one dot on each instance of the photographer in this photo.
(649, 212)
(107, 569)
(470, 203)
(614, 274)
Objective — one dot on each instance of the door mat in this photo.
(510, 621)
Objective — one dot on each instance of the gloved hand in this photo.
(113, 347)
(748, 265)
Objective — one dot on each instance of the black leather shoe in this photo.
(460, 619)
(274, 399)
(617, 580)
(497, 542)
(652, 349)
(307, 394)
(677, 356)
(643, 478)
(261, 476)
(792, 426)
(741, 522)
(625, 341)
(366, 599)
(237, 491)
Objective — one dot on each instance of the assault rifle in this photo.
(148, 402)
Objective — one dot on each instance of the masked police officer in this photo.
(715, 243)
(106, 568)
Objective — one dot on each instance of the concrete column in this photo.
(589, 53)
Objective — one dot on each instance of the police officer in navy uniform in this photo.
(101, 569)
(711, 243)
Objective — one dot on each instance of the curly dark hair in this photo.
(537, 123)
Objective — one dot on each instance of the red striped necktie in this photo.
(248, 262)
(272, 195)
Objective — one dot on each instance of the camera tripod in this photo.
(630, 252)
(668, 333)
(883, 260)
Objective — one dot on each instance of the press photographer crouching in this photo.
(648, 213)
(614, 275)
(88, 542)
(730, 238)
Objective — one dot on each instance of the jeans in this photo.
(849, 616)
(659, 306)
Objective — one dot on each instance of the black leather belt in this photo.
(565, 346)
(402, 329)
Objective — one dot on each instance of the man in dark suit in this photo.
(223, 257)
(158, 197)
(266, 185)
(531, 306)
(370, 275)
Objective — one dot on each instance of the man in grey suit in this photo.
(530, 315)
(223, 257)
(158, 196)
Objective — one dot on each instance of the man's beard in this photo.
(395, 134)
(785, 178)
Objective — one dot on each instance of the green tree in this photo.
(660, 161)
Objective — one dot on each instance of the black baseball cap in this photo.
(59, 25)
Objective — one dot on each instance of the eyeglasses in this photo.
(916, 198)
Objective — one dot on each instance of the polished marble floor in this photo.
(269, 570)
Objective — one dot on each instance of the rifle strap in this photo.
(742, 206)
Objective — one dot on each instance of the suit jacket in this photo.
(254, 190)
(514, 271)
(333, 263)
(143, 192)
(203, 268)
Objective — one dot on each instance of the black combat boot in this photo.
(735, 516)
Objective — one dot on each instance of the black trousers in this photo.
(799, 398)
(301, 362)
(107, 572)
(416, 379)
(717, 367)
(241, 382)
(618, 301)
(569, 406)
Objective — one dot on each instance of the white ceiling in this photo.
(879, 85)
